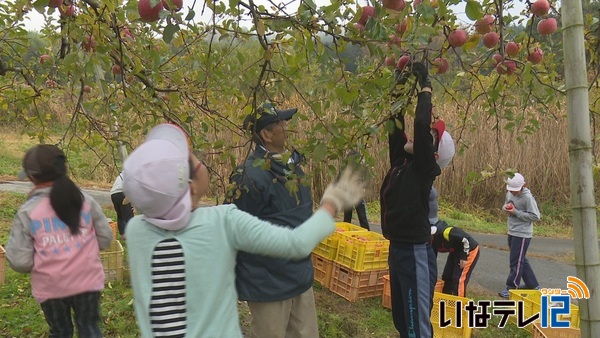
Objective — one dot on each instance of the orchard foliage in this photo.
(211, 63)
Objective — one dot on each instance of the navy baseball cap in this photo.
(266, 115)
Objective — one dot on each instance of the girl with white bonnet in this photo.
(182, 258)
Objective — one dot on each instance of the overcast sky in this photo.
(35, 20)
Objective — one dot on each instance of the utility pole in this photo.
(583, 204)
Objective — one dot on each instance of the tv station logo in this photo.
(552, 309)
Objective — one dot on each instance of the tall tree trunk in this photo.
(580, 151)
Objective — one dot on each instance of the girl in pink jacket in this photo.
(57, 236)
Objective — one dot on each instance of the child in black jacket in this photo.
(463, 255)
(404, 202)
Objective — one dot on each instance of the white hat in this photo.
(515, 183)
(156, 177)
(445, 150)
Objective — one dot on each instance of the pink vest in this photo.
(64, 264)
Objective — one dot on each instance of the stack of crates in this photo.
(2, 265)
(553, 332)
(352, 262)
(326, 251)
(532, 305)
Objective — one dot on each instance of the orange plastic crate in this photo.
(328, 247)
(322, 268)
(2, 265)
(355, 285)
(554, 332)
(112, 261)
(451, 331)
(386, 298)
(361, 251)
(115, 228)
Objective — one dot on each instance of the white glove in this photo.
(346, 191)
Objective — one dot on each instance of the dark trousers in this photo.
(413, 274)
(456, 278)
(361, 212)
(124, 211)
(519, 265)
(86, 310)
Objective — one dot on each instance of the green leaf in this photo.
(153, 3)
(191, 15)
(169, 31)
(319, 153)
(473, 10)
(40, 6)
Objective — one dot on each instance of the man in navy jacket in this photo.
(268, 185)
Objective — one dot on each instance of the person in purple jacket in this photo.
(57, 236)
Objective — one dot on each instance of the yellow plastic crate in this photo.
(2, 265)
(355, 285)
(451, 331)
(531, 304)
(322, 269)
(328, 247)
(361, 251)
(386, 298)
(554, 332)
(573, 317)
(112, 261)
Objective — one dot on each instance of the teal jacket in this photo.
(210, 244)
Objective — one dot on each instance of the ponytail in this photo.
(66, 199)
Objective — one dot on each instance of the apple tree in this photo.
(109, 70)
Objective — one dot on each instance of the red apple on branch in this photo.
(535, 56)
(116, 69)
(507, 67)
(497, 59)
(512, 49)
(485, 24)
(390, 61)
(147, 13)
(401, 27)
(457, 38)
(403, 61)
(367, 12)
(87, 89)
(490, 40)
(394, 5)
(547, 26)
(55, 3)
(540, 7)
(45, 58)
(68, 11)
(440, 65)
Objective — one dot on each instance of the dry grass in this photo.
(484, 151)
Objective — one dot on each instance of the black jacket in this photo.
(263, 193)
(404, 195)
(452, 239)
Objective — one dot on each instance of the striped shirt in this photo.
(167, 304)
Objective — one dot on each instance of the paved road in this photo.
(551, 258)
